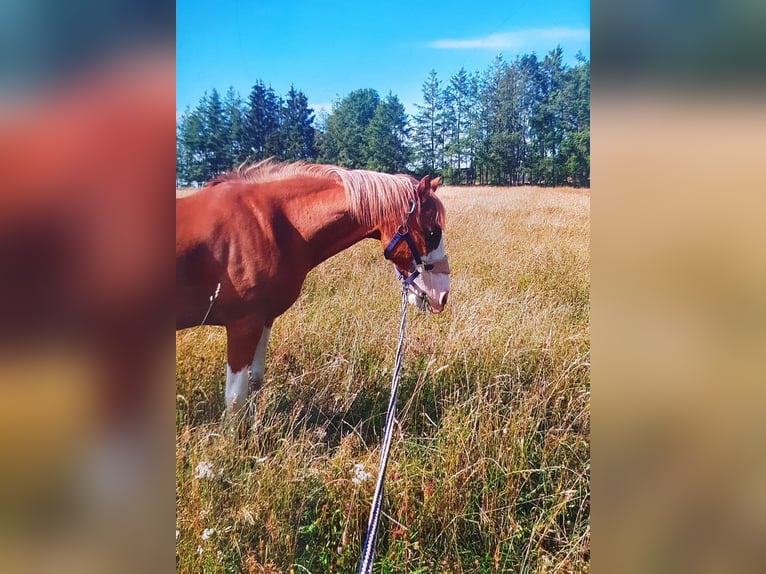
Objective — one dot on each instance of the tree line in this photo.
(520, 122)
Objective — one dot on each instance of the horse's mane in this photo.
(371, 197)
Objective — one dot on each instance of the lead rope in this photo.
(212, 300)
(368, 550)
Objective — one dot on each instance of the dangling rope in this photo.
(212, 300)
(368, 550)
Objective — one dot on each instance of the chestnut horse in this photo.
(249, 238)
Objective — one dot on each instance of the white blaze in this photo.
(434, 285)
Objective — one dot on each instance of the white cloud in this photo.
(513, 40)
(321, 107)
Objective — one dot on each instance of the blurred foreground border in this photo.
(87, 165)
(678, 283)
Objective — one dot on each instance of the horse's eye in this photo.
(433, 237)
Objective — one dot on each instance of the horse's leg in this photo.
(242, 342)
(258, 366)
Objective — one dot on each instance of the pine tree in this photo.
(427, 126)
(386, 137)
(575, 145)
(533, 117)
(234, 125)
(474, 126)
(555, 112)
(457, 101)
(216, 153)
(190, 160)
(508, 129)
(345, 129)
(296, 127)
(523, 122)
(261, 123)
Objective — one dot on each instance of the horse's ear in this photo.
(424, 187)
(435, 182)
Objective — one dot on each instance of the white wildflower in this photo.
(204, 470)
(207, 533)
(176, 534)
(360, 475)
(199, 550)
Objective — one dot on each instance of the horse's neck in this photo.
(322, 218)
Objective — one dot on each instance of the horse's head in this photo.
(416, 248)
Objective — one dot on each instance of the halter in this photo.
(403, 234)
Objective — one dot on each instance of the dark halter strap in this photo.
(403, 234)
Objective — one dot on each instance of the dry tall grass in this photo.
(490, 465)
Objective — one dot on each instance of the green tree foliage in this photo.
(190, 135)
(505, 122)
(234, 126)
(520, 122)
(457, 121)
(386, 137)
(261, 138)
(576, 143)
(345, 137)
(523, 122)
(219, 134)
(215, 138)
(203, 147)
(296, 129)
(428, 128)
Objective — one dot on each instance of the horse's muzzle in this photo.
(434, 302)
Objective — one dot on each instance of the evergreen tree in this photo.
(296, 129)
(456, 106)
(386, 137)
(215, 144)
(508, 135)
(345, 130)
(474, 126)
(485, 123)
(190, 161)
(261, 123)
(575, 146)
(428, 128)
(555, 112)
(522, 122)
(233, 114)
(534, 93)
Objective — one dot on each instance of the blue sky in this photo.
(326, 49)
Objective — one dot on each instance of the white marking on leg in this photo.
(236, 389)
(258, 367)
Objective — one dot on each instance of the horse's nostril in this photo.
(443, 299)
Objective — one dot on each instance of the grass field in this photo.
(490, 463)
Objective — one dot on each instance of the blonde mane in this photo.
(371, 197)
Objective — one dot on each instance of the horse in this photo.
(246, 241)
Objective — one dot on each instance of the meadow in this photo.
(490, 462)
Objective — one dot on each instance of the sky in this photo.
(329, 48)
